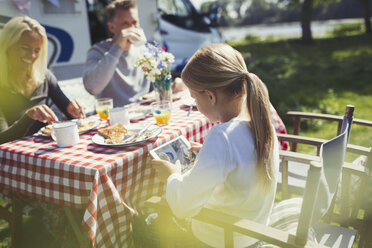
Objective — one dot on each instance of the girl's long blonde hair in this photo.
(221, 67)
(10, 34)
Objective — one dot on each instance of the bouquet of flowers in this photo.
(156, 64)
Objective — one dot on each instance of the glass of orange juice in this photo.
(102, 107)
(162, 112)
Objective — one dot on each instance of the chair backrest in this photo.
(323, 179)
(359, 126)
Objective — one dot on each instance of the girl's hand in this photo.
(42, 113)
(164, 168)
(195, 146)
(76, 109)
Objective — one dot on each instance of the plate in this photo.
(155, 131)
(90, 125)
(150, 97)
(137, 114)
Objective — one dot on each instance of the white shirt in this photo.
(224, 179)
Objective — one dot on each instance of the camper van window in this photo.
(181, 8)
(183, 14)
(166, 7)
(176, 8)
(65, 7)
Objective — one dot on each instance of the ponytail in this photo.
(258, 105)
(221, 67)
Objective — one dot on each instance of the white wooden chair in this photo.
(296, 172)
(285, 229)
(355, 178)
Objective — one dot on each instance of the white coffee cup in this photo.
(142, 39)
(119, 115)
(65, 133)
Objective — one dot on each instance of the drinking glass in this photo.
(142, 39)
(119, 115)
(162, 112)
(102, 107)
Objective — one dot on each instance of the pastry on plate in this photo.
(47, 130)
(149, 96)
(113, 134)
(85, 126)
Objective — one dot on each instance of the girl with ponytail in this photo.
(236, 168)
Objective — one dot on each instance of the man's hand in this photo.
(125, 37)
(42, 113)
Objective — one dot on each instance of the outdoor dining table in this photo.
(109, 183)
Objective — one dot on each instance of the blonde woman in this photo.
(27, 88)
(236, 168)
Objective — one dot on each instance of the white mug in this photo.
(142, 39)
(119, 115)
(65, 133)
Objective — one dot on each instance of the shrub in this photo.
(347, 29)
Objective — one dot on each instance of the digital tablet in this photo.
(176, 149)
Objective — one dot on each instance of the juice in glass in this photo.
(102, 112)
(162, 116)
(102, 107)
(161, 112)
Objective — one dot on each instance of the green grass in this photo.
(34, 234)
(323, 77)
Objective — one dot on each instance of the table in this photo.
(109, 183)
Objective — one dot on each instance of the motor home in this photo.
(176, 24)
(183, 28)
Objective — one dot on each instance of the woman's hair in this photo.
(221, 67)
(116, 5)
(10, 34)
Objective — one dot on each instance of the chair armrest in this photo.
(355, 169)
(327, 117)
(361, 150)
(350, 168)
(235, 224)
(297, 157)
(301, 139)
(356, 149)
(309, 115)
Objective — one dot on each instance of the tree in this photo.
(306, 11)
(306, 8)
(367, 15)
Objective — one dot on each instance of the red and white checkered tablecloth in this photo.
(100, 179)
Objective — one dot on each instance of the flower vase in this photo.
(163, 90)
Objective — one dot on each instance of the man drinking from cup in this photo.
(110, 66)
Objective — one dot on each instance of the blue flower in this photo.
(166, 78)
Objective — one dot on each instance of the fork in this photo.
(138, 134)
(190, 108)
